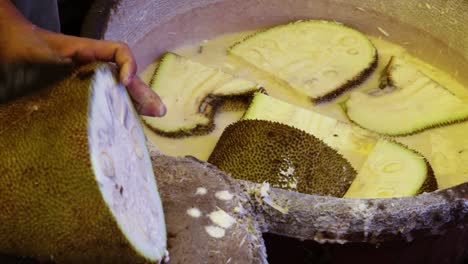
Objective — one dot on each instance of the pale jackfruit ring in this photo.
(315, 58)
(409, 102)
(192, 93)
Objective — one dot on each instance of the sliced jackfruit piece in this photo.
(191, 93)
(449, 156)
(352, 142)
(318, 59)
(76, 182)
(286, 157)
(411, 102)
(361, 148)
(392, 170)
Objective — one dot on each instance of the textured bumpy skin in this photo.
(430, 184)
(51, 206)
(316, 58)
(181, 181)
(352, 142)
(284, 156)
(357, 145)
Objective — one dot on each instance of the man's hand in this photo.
(22, 41)
(85, 50)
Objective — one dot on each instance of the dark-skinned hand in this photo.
(22, 41)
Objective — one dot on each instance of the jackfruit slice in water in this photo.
(191, 93)
(392, 170)
(411, 103)
(317, 59)
(286, 157)
(77, 183)
(449, 155)
(352, 142)
(360, 147)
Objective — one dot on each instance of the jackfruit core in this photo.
(123, 168)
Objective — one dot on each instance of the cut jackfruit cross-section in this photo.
(385, 169)
(411, 103)
(76, 183)
(318, 59)
(352, 142)
(191, 93)
(449, 155)
(284, 156)
(392, 171)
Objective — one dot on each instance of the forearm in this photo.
(19, 40)
(10, 16)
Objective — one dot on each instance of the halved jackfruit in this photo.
(352, 142)
(191, 93)
(410, 103)
(392, 170)
(318, 59)
(284, 156)
(76, 181)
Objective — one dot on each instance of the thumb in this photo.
(147, 102)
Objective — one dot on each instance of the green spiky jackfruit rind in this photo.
(347, 84)
(286, 157)
(430, 184)
(350, 141)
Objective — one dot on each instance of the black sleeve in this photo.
(42, 13)
(20, 79)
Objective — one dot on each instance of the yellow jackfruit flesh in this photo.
(410, 103)
(191, 93)
(392, 170)
(385, 169)
(317, 59)
(352, 142)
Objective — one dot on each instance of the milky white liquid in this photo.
(447, 145)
